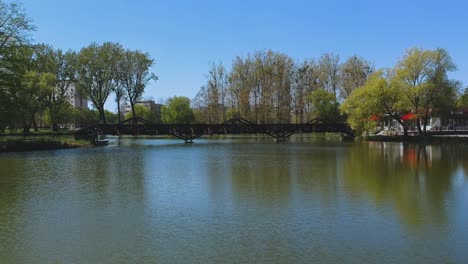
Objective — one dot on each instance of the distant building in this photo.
(149, 104)
(75, 99)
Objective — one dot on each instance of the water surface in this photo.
(236, 201)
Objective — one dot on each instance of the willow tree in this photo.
(380, 96)
(97, 73)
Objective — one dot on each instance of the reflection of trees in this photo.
(414, 178)
(280, 172)
(260, 176)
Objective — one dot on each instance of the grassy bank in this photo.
(39, 142)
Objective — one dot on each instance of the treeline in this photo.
(37, 81)
(270, 87)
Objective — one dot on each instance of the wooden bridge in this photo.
(189, 132)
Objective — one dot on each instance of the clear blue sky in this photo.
(184, 37)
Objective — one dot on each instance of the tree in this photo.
(423, 76)
(23, 85)
(324, 105)
(59, 105)
(353, 74)
(329, 65)
(96, 73)
(133, 75)
(56, 98)
(15, 30)
(15, 26)
(380, 96)
(304, 80)
(177, 111)
(462, 101)
(143, 112)
(240, 87)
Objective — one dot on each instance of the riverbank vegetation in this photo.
(40, 85)
(39, 141)
(265, 87)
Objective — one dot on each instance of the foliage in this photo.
(88, 117)
(97, 72)
(15, 25)
(324, 105)
(133, 75)
(422, 75)
(379, 96)
(143, 112)
(177, 111)
(462, 101)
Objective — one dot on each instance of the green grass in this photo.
(39, 142)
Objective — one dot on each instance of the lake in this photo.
(236, 200)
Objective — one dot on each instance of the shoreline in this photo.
(16, 144)
(418, 139)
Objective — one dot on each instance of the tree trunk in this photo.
(119, 116)
(405, 131)
(26, 126)
(34, 123)
(102, 116)
(134, 117)
(52, 120)
(418, 124)
(425, 124)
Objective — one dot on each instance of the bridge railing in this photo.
(233, 126)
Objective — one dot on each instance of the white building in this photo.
(75, 99)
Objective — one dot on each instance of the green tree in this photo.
(97, 73)
(134, 74)
(177, 111)
(56, 96)
(15, 25)
(423, 76)
(380, 96)
(24, 85)
(462, 101)
(143, 112)
(324, 105)
(15, 30)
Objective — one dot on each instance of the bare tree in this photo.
(353, 74)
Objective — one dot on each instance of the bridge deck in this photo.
(189, 132)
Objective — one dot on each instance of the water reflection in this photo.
(415, 179)
(250, 201)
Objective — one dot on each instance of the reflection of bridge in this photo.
(189, 132)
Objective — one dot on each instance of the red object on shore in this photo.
(374, 118)
(408, 116)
